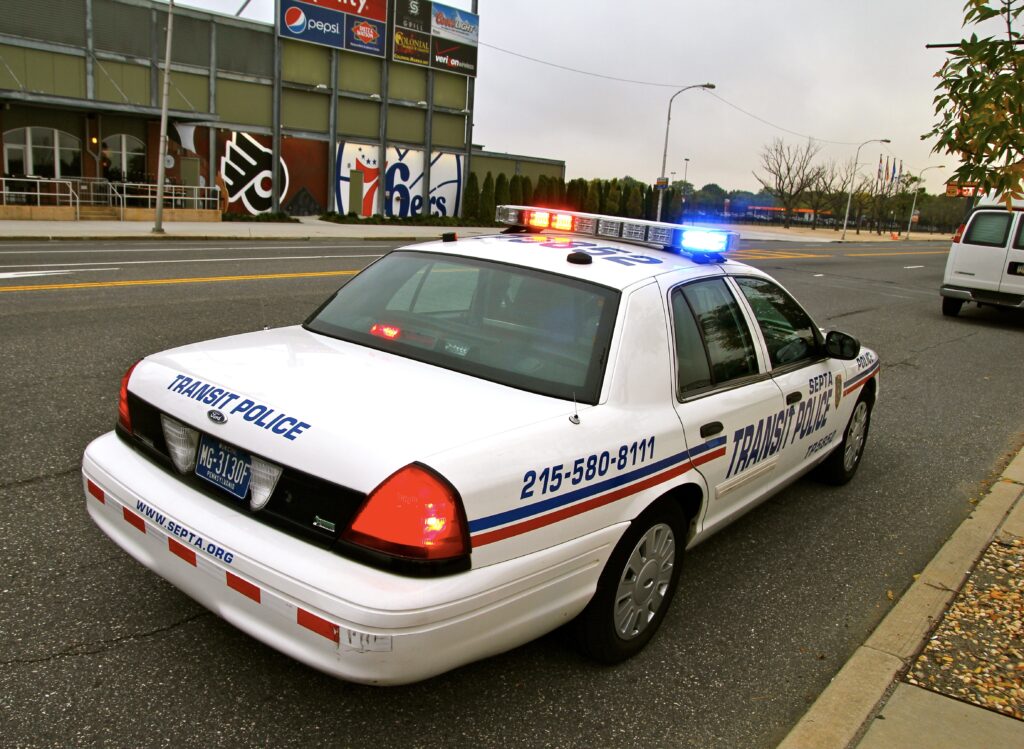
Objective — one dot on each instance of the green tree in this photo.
(501, 192)
(979, 104)
(471, 198)
(592, 203)
(612, 199)
(573, 200)
(487, 204)
(527, 191)
(515, 190)
(634, 203)
(674, 199)
(541, 196)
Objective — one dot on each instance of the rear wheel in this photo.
(636, 587)
(840, 466)
(951, 307)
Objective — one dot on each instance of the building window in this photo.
(42, 152)
(124, 159)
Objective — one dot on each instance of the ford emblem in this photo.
(216, 416)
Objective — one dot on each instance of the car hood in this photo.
(347, 413)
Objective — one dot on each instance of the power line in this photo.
(664, 85)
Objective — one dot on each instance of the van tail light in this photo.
(959, 233)
(124, 417)
(414, 514)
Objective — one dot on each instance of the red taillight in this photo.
(124, 417)
(383, 330)
(959, 233)
(413, 514)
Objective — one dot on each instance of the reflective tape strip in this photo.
(95, 491)
(180, 550)
(863, 377)
(316, 624)
(244, 587)
(133, 519)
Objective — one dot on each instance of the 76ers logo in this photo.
(295, 20)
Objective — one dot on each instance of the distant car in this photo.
(476, 441)
(986, 261)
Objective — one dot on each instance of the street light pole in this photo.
(853, 177)
(686, 171)
(158, 226)
(913, 204)
(668, 122)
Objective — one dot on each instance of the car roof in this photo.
(548, 251)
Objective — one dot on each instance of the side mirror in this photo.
(841, 346)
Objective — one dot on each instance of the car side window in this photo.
(713, 343)
(1018, 243)
(989, 228)
(788, 331)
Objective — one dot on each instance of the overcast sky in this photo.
(840, 72)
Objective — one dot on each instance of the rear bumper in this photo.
(334, 614)
(982, 296)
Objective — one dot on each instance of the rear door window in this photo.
(989, 228)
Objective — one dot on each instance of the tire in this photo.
(636, 587)
(951, 307)
(842, 463)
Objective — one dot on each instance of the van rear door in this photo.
(979, 260)
(1013, 275)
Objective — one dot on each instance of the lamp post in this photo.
(853, 177)
(913, 204)
(686, 171)
(668, 122)
(158, 226)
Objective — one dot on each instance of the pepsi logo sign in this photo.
(295, 20)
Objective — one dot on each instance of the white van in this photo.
(986, 262)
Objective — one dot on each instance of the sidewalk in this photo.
(945, 668)
(314, 228)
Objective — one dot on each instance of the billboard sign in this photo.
(436, 36)
(324, 22)
(454, 24)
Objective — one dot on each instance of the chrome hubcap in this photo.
(855, 434)
(644, 581)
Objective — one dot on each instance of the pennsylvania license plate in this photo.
(224, 465)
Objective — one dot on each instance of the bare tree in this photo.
(821, 194)
(791, 172)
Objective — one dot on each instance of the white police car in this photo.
(986, 260)
(476, 441)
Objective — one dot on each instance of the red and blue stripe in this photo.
(530, 517)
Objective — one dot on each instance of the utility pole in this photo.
(161, 170)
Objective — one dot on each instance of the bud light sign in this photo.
(403, 181)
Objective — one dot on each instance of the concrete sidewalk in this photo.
(314, 228)
(951, 644)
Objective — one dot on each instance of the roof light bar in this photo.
(706, 244)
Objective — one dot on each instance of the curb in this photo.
(841, 713)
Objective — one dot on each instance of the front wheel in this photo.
(839, 467)
(951, 307)
(636, 586)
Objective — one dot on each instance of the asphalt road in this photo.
(96, 650)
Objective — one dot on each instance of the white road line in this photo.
(246, 247)
(819, 275)
(194, 260)
(29, 274)
(912, 267)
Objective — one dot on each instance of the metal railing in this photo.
(38, 191)
(143, 195)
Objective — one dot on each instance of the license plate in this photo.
(224, 465)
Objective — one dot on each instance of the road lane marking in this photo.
(171, 281)
(194, 260)
(193, 248)
(896, 254)
(30, 273)
(912, 267)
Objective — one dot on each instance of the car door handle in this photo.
(794, 398)
(710, 430)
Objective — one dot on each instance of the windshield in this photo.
(530, 330)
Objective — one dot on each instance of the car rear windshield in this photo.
(530, 330)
